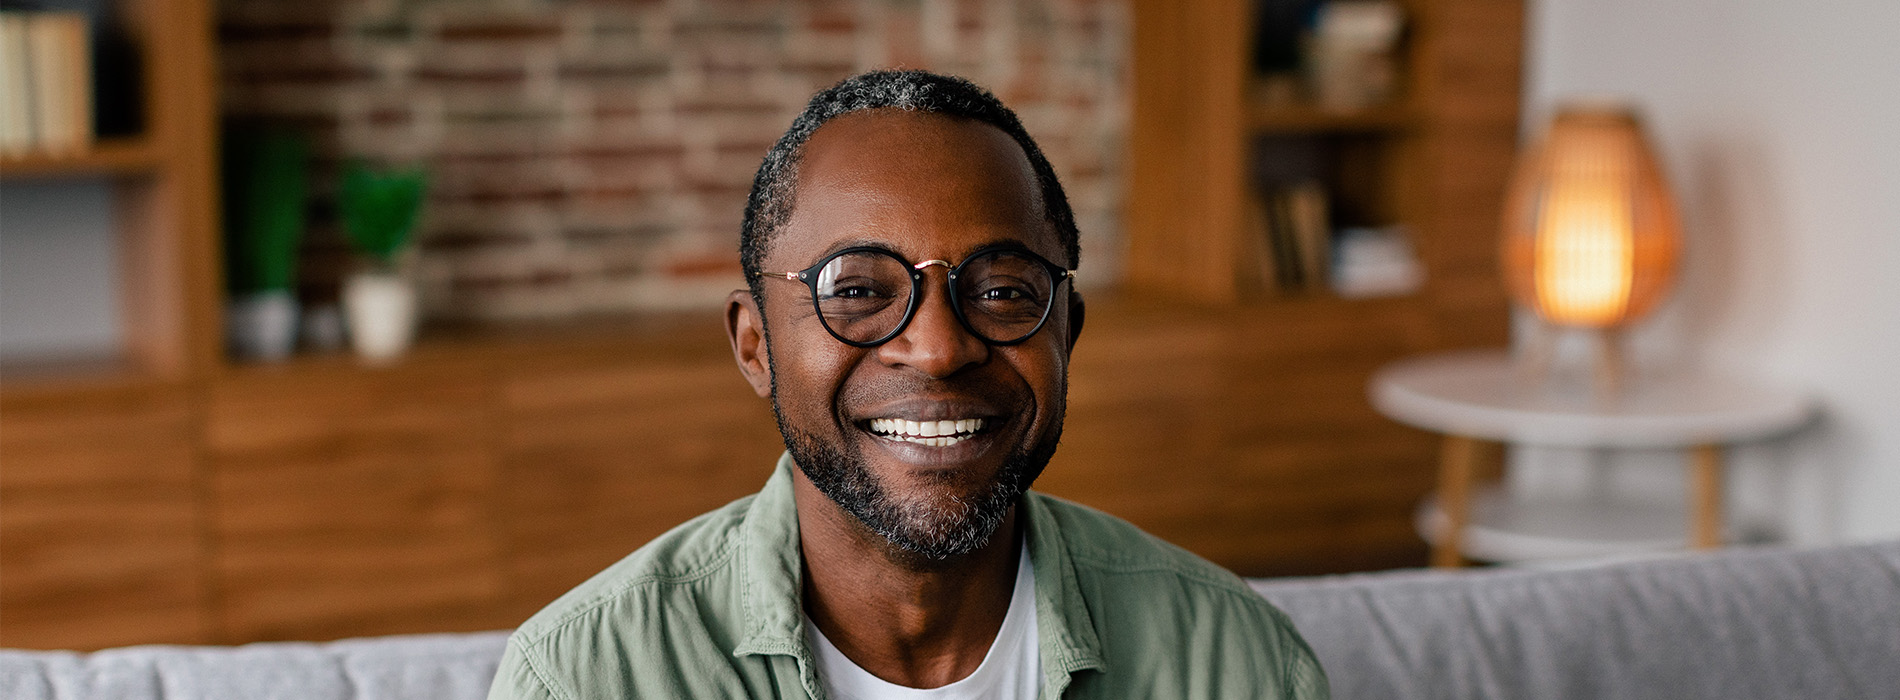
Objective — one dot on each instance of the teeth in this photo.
(931, 433)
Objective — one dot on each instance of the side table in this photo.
(1471, 397)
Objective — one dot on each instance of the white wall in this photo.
(1780, 126)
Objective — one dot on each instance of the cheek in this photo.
(1044, 368)
(807, 379)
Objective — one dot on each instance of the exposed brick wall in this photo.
(595, 156)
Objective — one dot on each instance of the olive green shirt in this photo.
(712, 610)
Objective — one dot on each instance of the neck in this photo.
(907, 619)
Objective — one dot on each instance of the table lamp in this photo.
(1590, 235)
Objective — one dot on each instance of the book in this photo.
(1262, 270)
(17, 134)
(62, 85)
(1286, 247)
(1311, 232)
(46, 82)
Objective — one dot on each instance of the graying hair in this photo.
(773, 189)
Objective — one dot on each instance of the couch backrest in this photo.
(409, 667)
(1734, 625)
(1731, 626)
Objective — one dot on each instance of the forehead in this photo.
(924, 185)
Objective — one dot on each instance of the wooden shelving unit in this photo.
(161, 493)
(1278, 119)
(163, 182)
(124, 156)
(1435, 162)
(101, 490)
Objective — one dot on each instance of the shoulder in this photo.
(1175, 620)
(1103, 545)
(673, 564)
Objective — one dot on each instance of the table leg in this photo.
(1456, 462)
(1705, 497)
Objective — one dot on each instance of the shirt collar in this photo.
(771, 587)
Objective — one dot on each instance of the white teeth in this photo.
(932, 433)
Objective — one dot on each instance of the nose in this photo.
(935, 343)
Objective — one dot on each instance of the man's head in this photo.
(926, 168)
(775, 187)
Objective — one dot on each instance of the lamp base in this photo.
(1602, 372)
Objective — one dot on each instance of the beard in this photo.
(934, 529)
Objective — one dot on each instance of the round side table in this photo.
(1473, 397)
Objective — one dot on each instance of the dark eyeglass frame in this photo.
(1057, 275)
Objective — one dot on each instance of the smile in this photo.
(930, 433)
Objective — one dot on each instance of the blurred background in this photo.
(331, 318)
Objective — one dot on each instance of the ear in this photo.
(1076, 316)
(746, 329)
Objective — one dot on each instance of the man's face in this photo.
(926, 187)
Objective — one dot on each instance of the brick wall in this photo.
(594, 157)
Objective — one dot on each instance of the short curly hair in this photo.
(774, 187)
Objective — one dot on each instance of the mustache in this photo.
(965, 386)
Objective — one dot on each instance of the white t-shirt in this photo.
(1011, 670)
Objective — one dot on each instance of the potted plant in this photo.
(266, 178)
(379, 210)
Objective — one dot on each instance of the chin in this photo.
(935, 501)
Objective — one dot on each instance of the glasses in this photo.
(866, 296)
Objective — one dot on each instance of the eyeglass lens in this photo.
(1002, 295)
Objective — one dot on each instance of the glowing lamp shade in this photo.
(1590, 229)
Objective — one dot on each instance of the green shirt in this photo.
(712, 610)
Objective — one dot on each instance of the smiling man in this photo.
(910, 313)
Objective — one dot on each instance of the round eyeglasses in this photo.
(866, 296)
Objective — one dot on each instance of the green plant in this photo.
(266, 182)
(380, 208)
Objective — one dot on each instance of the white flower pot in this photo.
(262, 325)
(381, 310)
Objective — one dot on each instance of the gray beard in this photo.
(935, 531)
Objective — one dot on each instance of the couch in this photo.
(1738, 624)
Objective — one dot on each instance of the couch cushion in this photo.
(1733, 625)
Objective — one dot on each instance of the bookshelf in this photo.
(1303, 120)
(103, 481)
(162, 184)
(1434, 160)
(116, 157)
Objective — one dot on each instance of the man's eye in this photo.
(1002, 294)
(859, 292)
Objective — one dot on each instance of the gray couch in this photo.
(1735, 625)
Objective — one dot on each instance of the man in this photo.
(910, 313)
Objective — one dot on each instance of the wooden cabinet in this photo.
(1236, 432)
(100, 537)
(615, 443)
(349, 502)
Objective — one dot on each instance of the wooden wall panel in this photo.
(602, 455)
(99, 542)
(350, 502)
